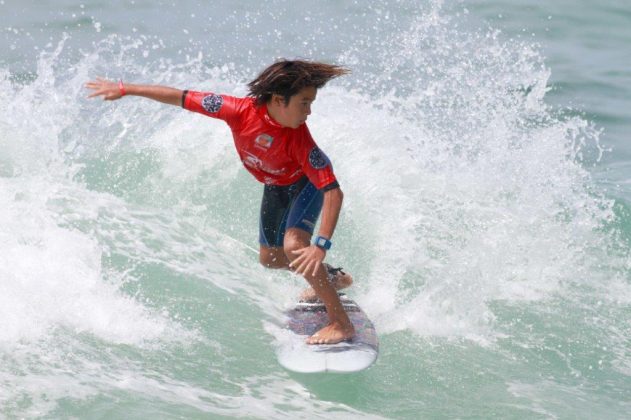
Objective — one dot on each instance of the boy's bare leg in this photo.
(340, 327)
(340, 281)
(274, 257)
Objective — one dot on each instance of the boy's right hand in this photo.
(102, 87)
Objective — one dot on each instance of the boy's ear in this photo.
(278, 100)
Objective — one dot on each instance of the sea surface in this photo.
(484, 151)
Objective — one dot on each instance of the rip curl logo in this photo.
(318, 159)
(212, 103)
(252, 161)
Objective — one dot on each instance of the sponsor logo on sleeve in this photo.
(212, 103)
(318, 159)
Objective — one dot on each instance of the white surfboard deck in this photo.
(350, 356)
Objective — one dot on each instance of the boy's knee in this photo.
(290, 246)
(293, 244)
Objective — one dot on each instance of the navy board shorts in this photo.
(288, 206)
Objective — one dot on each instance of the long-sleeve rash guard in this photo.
(274, 154)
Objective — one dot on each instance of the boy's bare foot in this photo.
(332, 334)
(339, 279)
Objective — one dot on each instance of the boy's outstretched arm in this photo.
(116, 90)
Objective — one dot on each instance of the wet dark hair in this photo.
(288, 77)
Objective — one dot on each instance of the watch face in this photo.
(323, 243)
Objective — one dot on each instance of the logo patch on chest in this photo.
(263, 141)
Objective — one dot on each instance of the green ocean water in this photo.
(482, 150)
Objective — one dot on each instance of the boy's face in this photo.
(297, 110)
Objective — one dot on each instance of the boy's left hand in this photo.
(101, 87)
(309, 259)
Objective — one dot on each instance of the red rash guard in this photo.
(274, 154)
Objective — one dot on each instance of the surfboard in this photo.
(354, 355)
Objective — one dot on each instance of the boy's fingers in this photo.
(298, 259)
(301, 268)
(308, 267)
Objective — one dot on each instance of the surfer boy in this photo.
(273, 142)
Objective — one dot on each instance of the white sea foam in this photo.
(467, 188)
(51, 277)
